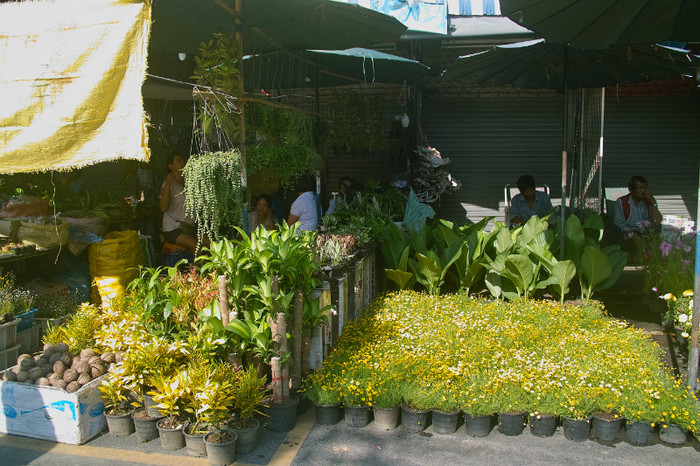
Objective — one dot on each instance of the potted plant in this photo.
(249, 392)
(169, 395)
(386, 404)
(416, 406)
(215, 397)
(445, 415)
(117, 407)
(322, 389)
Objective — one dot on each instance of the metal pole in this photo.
(693, 352)
(238, 6)
(601, 196)
(564, 157)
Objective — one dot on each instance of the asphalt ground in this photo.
(312, 444)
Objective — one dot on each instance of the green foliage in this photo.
(215, 67)
(114, 390)
(251, 265)
(358, 121)
(214, 196)
(171, 300)
(249, 392)
(283, 145)
(361, 216)
(80, 330)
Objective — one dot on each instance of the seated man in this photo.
(636, 212)
(344, 185)
(528, 203)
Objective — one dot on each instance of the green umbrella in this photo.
(599, 24)
(327, 68)
(543, 65)
(181, 25)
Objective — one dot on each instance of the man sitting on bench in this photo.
(528, 203)
(636, 212)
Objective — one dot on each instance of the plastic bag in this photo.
(51, 235)
(114, 263)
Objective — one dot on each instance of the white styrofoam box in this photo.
(50, 413)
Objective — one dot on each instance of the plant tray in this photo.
(29, 340)
(8, 334)
(50, 413)
(8, 357)
(44, 323)
(26, 320)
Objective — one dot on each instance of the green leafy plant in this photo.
(214, 196)
(115, 392)
(80, 330)
(249, 392)
(216, 68)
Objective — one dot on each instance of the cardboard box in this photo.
(9, 228)
(50, 413)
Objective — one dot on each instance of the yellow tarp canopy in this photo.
(70, 83)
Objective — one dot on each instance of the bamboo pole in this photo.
(283, 349)
(223, 300)
(297, 338)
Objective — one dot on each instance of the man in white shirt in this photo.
(304, 208)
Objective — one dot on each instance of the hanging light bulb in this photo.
(405, 120)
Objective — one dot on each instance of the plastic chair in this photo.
(511, 190)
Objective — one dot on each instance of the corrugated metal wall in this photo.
(658, 138)
(493, 139)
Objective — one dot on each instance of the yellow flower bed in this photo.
(451, 351)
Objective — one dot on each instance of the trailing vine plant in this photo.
(214, 196)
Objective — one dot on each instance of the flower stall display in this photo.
(524, 356)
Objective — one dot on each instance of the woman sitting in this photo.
(262, 214)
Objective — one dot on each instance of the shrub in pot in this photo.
(249, 392)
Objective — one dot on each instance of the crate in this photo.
(29, 340)
(8, 358)
(44, 323)
(50, 413)
(8, 334)
(26, 320)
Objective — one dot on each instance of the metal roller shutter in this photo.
(658, 138)
(491, 141)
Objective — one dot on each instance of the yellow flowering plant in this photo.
(525, 355)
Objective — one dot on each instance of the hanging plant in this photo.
(283, 145)
(358, 122)
(215, 67)
(286, 163)
(214, 195)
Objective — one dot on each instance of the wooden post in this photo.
(223, 300)
(277, 396)
(297, 338)
(283, 349)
